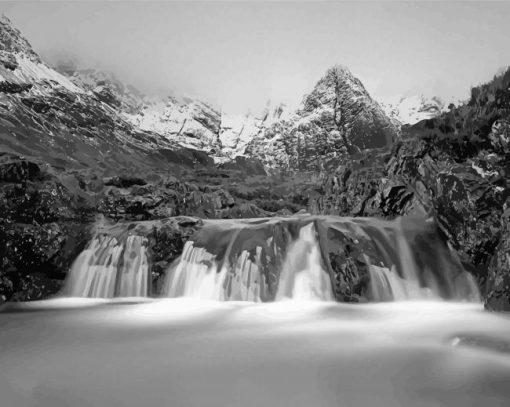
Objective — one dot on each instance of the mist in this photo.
(239, 55)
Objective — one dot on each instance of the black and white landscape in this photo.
(325, 246)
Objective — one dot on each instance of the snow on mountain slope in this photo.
(237, 131)
(187, 121)
(191, 123)
(411, 110)
(49, 116)
(28, 71)
(20, 66)
(337, 117)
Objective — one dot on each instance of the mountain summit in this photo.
(12, 41)
(337, 118)
(340, 103)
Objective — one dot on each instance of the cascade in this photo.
(108, 268)
(302, 258)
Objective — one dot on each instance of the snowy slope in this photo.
(411, 110)
(237, 131)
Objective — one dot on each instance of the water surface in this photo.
(189, 352)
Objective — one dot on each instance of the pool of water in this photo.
(188, 352)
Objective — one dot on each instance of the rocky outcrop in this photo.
(497, 295)
(43, 226)
(11, 41)
(340, 106)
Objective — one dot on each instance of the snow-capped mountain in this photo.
(412, 109)
(95, 110)
(55, 118)
(338, 117)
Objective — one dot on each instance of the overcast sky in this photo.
(239, 55)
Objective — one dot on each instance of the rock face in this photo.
(11, 41)
(498, 282)
(340, 106)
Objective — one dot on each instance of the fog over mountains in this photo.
(237, 56)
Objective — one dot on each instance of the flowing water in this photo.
(107, 268)
(246, 317)
(190, 352)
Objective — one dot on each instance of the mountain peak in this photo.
(340, 69)
(340, 103)
(12, 41)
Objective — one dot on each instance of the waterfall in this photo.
(108, 268)
(303, 276)
(300, 258)
(294, 258)
(196, 275)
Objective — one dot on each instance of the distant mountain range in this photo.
(79, 105)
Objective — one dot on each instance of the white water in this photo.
(107, 268)
(183, 352)
(303, 275)
(281, 258)
(198, 274)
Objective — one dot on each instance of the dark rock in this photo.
(17, 170)
(9, 87)
(246, 165)
(124, 182)
(498, 282)
(8, 60)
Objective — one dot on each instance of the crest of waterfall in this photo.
(108, 268)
